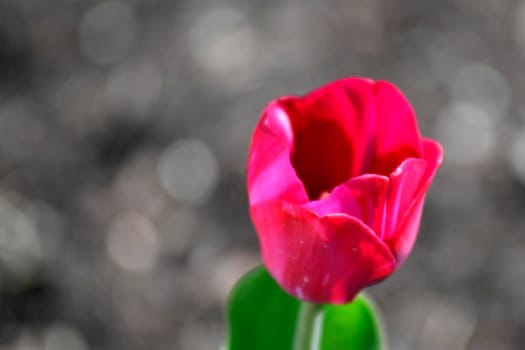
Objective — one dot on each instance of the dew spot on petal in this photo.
(397, 172)
(299, 292)
(324, 195)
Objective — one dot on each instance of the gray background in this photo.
(124, 131)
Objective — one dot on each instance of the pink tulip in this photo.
(336, 181)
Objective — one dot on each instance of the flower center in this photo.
(322, 155)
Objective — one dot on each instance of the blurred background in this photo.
(124, 132)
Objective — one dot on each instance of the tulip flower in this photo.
(336, 184)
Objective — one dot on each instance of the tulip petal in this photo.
(337, 181)
(270, 172)
(351, 102)
(396, 134)
(406, 234)
(319, 259)
(362, 197)
(405, 184)
(331, 127)
(433, 154)
(402, 240)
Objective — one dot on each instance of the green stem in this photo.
(308, 331)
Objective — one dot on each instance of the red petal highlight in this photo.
(319, 259)
(270, 173)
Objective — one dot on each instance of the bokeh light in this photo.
(63, 337)
(188, 170)
(132, 242)
(108, 31)
(222, 41)
(467, 134)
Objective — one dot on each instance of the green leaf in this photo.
(352, 326)
(261, 316)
